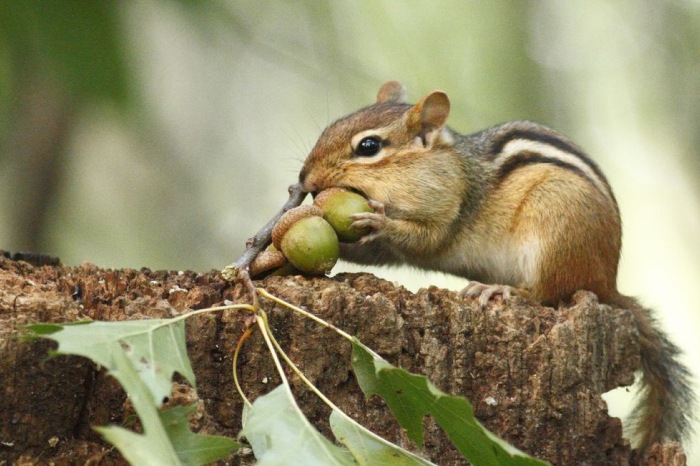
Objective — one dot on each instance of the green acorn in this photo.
(307, 240)
(338, 205)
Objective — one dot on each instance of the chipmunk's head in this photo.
(377, 149)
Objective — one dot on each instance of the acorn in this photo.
(338, 205)
(268, 260)
(307, 240)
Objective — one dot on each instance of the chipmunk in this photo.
(517, 206)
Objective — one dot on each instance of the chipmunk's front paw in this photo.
(375, 221)
(486, 292)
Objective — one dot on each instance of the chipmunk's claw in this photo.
(486, 293)
(376, 221)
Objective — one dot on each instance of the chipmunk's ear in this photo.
(392, 91)
(428, 117)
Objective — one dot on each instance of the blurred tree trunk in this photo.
(34, 155)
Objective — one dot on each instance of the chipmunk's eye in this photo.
(369, 146)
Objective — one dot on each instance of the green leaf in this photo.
(194, 448)
(367, 448)
(154, 445)
(280, 434)
(410, 397)
(142, 356)
(136, 448)
(42, 330)
(277, 430)
(167, 439)
(156, 348)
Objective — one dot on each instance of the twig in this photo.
(263, 237)
(256, 244)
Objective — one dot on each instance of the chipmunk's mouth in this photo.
(349, 188)
(355, 190)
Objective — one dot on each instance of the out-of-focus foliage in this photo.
(78, 44)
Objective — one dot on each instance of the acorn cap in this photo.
(269, 259)
(291, 217)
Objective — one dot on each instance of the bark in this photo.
(534, 374)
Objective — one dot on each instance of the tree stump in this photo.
(534, 374)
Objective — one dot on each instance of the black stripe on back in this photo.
(538, 136)
(554, 141)
(529, 158)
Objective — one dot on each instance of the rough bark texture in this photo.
(534, 374)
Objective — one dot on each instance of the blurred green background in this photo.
(162, 134)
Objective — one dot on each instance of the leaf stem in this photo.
(294, 308)
(298, 371)
(261, 319)
(234, 364)
(189, 314)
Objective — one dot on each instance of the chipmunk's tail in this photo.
(666, 399)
